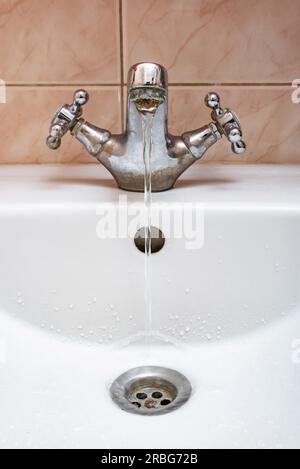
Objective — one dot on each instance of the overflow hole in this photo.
(157, 239)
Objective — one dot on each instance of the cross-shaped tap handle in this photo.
(65, 119)
(227, 123)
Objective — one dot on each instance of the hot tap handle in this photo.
(65, 119)
(227, 123)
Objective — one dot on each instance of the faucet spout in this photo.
(122, 154)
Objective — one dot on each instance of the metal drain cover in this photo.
(150, 390)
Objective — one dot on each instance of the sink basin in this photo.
(226, 315)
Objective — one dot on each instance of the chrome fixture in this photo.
(122, 154)
(150, 390)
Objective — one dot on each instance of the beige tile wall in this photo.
(247, 50)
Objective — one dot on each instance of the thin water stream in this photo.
(147, 102)
(147, 119)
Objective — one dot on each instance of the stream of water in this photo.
(147, 102)
(147, 120)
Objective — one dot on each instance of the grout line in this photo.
(121, 61)
(123, 85)
(226, 85)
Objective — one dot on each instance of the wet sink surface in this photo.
(70, 301)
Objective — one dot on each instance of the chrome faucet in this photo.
(122, 154)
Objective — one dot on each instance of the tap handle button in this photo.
(239, 147)
(212, 100)
(80, 98)
(53, 142)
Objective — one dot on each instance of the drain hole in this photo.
(141, 396)
(157, 395)
(165, 402)
(150, 390)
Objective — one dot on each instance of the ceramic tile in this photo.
(59, 41)
(209, 41)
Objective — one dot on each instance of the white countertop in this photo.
(69, 185)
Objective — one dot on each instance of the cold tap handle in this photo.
(227, 123)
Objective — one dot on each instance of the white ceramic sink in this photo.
(69, 302)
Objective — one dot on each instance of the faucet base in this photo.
(161, 181)
(130, 189)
